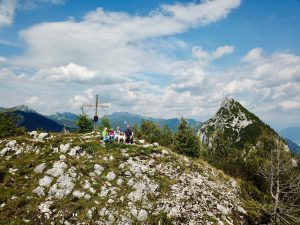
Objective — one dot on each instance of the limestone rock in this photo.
(111, 176)
(45, 181)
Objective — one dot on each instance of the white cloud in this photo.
(33, 100)
(288, 105)
(71, 72)
(115, 43)
(2, 60)
(221, 51)
(205, 56)
(205, 13)
(7, 11)
(254, 55)
(79, 100)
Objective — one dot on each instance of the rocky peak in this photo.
(232, 119)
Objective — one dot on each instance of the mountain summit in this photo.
(238, 124)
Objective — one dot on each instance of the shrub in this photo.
(9, 124)
(84, 124)
(186, 141)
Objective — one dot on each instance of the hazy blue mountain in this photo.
(123, 118)
(23, 108)
(33, 121)
(293, 146)
(291, 133)
(65, 118)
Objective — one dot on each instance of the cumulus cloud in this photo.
(71, 72)
(80, 100)
(206, 56)
(115, 43)
(33, 100)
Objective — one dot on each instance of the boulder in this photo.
(40, 168)
(142, 216)
(111, 176)
(45, 181)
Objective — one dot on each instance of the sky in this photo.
(158, 58)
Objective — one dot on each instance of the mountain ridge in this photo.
(238, 124)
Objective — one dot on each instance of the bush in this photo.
(186, 141)
(84, 124)
(9, 124)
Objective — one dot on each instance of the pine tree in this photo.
(84, 123)
(9, 124)
(186, 141)
(166, 138)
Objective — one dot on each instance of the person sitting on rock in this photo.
(112, 135)
(129, 135)
(105, 135)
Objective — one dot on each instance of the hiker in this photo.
(112, 135)
(105, 135)
(118, 131)
(129, 135)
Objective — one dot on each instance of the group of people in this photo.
(111, 135)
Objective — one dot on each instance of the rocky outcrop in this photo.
(125, 185)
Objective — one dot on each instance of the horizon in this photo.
(181, 57)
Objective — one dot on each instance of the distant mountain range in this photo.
(33, 120)
(238, 125)
(291, 133)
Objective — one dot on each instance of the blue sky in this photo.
(156, 58)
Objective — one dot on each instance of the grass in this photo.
(26, 203)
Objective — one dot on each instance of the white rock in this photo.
(241, 210)
(225, 211)
(102, 212)
(87, 197)
(141, 141)
(155, 144)
(92, 190)
(18, 152)
(110, 201)
(165, 152)
(78, 194)
(58, 169)
(64, 148)
(87, 185)
(12, 171)
(4, 151)
(104, 193)
(111, 158)
(45, 181)
(39, 191)
(62, 157)
(74, 151)
(127, 174)
(42, 137)
(44, 207)
(98, 167)
(119, 181)
(130, 182)
(33, 134)
(65, 183)
(142, 216)
(111, 176)
(111, 218)
(11, 144)
(294, 163)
